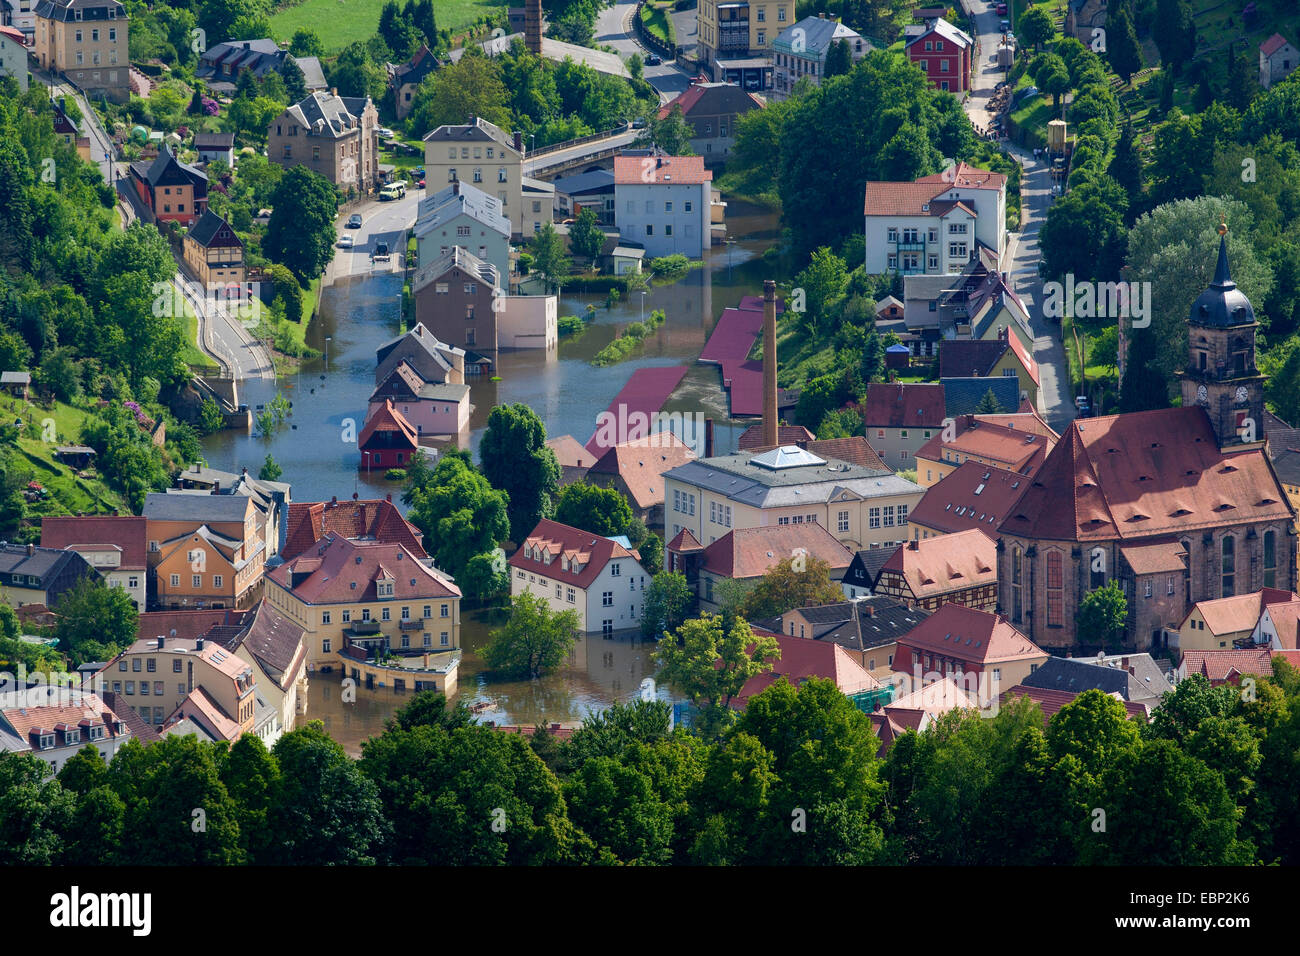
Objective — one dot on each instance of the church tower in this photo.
(1221, 376)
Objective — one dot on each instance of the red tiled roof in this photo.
(1222, 665)
(678, 170)
(388, 419)
(376, 518)
(641, 464)
(1272, 44)
(685, 542)
(14, 34)
(327, 575)
(187, 624)
(751, 552)
(1050, 700)
(856, 450)
(128, 532)
(802, 658)
(1161, 556)
(1011, 448)
(569, 452)
(903, 406)
(1027, 360)
(566, 545)
(899, 199)
(70, 708)
(964, 634)
(200, 704)
(751, 439)
(949, 563)
(1240, 612)
(1145, 474)
(966, 176)
(686, 99)
(1286, 623)
(952, 504)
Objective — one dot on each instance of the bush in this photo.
(395, 474)
(571, 325)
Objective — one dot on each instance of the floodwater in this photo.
(316, 447)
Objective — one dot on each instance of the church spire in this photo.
(1222, 275)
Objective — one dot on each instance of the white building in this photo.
(13, 55)
(53, 723)
(575, 570)
(1277, 60)
(934, 225)
(20, 14)
(663, 202)
(801, 50)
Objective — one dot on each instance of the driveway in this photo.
(1055, 403)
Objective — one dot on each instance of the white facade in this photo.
(613, 602)
(13, 59)
(20, 14)
(528, 322)
(106, 559)
(1277, 66)
(938, 243)
(666, 218)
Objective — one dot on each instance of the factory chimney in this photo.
(533, 26)
(769, 364)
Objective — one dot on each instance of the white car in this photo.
(385, 132)
(345, 242)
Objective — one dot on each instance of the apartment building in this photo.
(113, 546)
(86, 41)
(214, 253)
(334, 136)
(663, 203)
(735, 39)
(801, 50)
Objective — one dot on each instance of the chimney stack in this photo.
(519, 141)
(533, 26)
(31, 550)
(708, 438)
(198, 644)
(769, 364)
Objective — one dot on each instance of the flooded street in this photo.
(329, 396)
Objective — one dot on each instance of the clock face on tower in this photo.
(1241, 395)
(1201, 393)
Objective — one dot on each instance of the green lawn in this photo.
(340, 22)
(193, 355)
(656, 21)
(67, 492)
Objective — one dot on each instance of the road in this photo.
(558, 157)
(1055, 402)
(614, 29)
(386, 221)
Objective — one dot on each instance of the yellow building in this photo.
(86, 41)
(1216, 625)
(213, 253)
(735, 39)
(369, 600)
(490, 159)
(1018, 443)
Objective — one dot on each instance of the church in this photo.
(1176, 505)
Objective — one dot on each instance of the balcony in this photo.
(416, 624)
(368, 629)
(916, 245)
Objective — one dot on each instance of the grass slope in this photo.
(340, 22)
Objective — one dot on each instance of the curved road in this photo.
(614, 29)
(1055, 403)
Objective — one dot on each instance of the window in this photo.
(176, 580)
(1055, 590)
(144, 688)
(842, 522)
(501, 175)
(444, 638)
(873, 518)
(615, 569)
(668, 206)
(130, 687)
(176, 666)
(135, 664)
(451, 174)
(347, 617)
(570, 595)
(1016, 583)
(217, 581)
(1146, 589)
(762, 14)
(668, 230)
(649, 229)
(384, 615)
(780, 14)
(365, 614)
(889, 516)
(1229, 567)
(478, 174)
(325, 646)
(325, 617)
(151, 665)
(444, 610)
(607, 599)
(196, 580)
(1270, 559)
(1169, 584)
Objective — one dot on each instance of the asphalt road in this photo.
(614, 29)
(1055, 403)
(385, 221)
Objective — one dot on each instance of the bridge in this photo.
(548, 162)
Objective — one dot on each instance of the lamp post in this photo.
(327, 356)
(643, 306)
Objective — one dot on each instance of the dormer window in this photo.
(46, 741)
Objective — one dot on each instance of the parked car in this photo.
(345, 241)
(421, 182)
(385, 132)
(653, 59)
(638, 124)
(1002, 9)
(1083, 405)
(1004, 25)
(354, 221)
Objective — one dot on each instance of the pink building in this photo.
(433, 408)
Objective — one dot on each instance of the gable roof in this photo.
(457, 257)
(641, 464)
(962, 396)
(816, 34)
(197, 509)
(375, 519)
(1052, 700)
(212, 229)
(965, 634)
(582, 556)
(1285, 616)
(969, 357)
(388, 419)
(677, 170)
(1240, 612)
(713, 99)
(1218, 666)
(213, 141)
(1272, 44)
(1144, 474)
(1075, 675)
(167, 170)
(751, 439)
(418, 339)
(479, 130)
(903, 406)
(338, 570)
(952, 562)
(802, 659)
(751, 552)
(43, 563)
(862, 624)
(1014, 448)
(973, 496)
(328, 114)
(459, 199)
(127, 532)
(275, 642)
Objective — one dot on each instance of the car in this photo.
(1004, 25)
(381, 252)
(654, 60)
(385, 132)
(421, 182)
(638, 124)
(1056, 190)
(354, 221)
(1082, 404)
(345, 241)
(1002, 9)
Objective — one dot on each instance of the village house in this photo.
(858, 505)
(39, 575)
(213, 253)
(438, 409)
(270, 498)
(55, 731)
(1017, 442)
(984, 652)
(173, 191)
(17, 384)
(13, 55)
(86, 41)
(744, 555)
(992, 358)
(1173, 504)
(575, 570)
(1085, 20)
(221, 64)
(405, 78)
(419, 348)
(232, 540)
(663, 203)
(900, 419)
(1278, 626)
(592, 190)
(916, 710)
(21, 16)
(959, 568)
(735, 39)
(356, 519)
(374, 596)
(463, 215)
(462, 299)
(859, 579)
(1277, 60)
(334, 136)
(215, 146)
(975, 305)
(113, 546)
(867, 629)
(801, 660)
(1230, 666)
(1050, 701)
(1225, 623)
(275, 648)
(387, 440)
(943, 53)
(636, 469)
(800, 51)
(712, 110)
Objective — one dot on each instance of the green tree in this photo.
(535, 639)
(800, 580)
(602, 511)
(823, 282)
(470, 87)
(250, 774)
(585, 235)
(1052, 76)
(34, 812)
(549, 258)
(460, 513)
(1101, 616)
(710, 664)
(1122, 49)
(295, 83)
(667, 602)
(301, 234)
(1126, 167)
(95, 622)
(270, 470)
(672, 134)
(839, 59)
(1035, 27)
(516, 460)
(1174, 31)
(989, 404)
(1084, 233)
(210, 417)
(306, 42)
(485, 578)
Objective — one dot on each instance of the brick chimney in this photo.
(533, 26)
(519, 141)
(868, 610)
(913, 545)
(708, 438)
(769, 364)
(31, 550)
